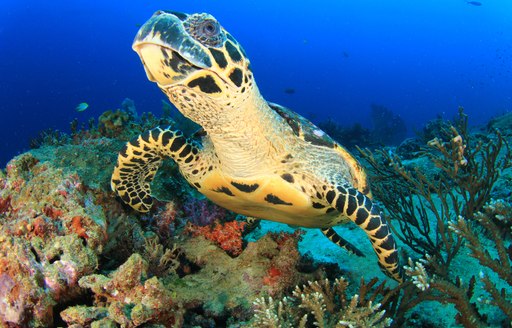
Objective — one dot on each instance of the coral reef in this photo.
(436, 217)
(202, 212)
(349, 137)
(502, 123)
(205, 281)
(129, 297)
(51, 235)
(265, 267)
(128, 106)
(227, 236)
(112, 123)
(70, 254)
(320, 304)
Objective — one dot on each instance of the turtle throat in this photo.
(249, 141)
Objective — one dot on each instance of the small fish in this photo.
(81, 107)
(289, 91)
(474, 3)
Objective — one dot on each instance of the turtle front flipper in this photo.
(341, 242)
(360, 209)
(140, 158)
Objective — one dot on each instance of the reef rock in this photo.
(51, 234)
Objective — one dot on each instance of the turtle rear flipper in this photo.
(139, 160)
(361, 210)
(341, 242)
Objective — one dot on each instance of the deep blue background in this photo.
(418, 58)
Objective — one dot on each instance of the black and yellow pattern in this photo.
(341, 242)
(140, 159)
(361, 210)
(256, 158)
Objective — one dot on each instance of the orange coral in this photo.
(227, 236)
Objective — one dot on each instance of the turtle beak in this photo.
(166, 30)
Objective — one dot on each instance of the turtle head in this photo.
(203, 70)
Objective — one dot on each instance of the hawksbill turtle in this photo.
(255, 158)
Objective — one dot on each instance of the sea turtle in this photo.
(254, 157)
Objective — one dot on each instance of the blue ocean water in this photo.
(420, 59)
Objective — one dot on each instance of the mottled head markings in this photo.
(194, 53)
(288, 177)
(206, 84)
(236, 76)
(219, 58)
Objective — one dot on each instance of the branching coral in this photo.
(323, 303)
(162, 261)
(423, 210)
(501, 263)
(467, 173)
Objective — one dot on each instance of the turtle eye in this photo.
(205, 29)
(209, 28)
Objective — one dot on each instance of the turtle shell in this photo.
(303, 128)
(309, 132)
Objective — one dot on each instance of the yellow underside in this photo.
(301, 213)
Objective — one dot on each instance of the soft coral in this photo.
(227, 235)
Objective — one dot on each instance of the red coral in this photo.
(227, 236)
(272, 277)
(282, 269)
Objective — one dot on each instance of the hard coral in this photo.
(24, 300)
(51, 234)
(282, 272)
(130, 298)
(112, 123)
(226, 286)
(227, 236)
(324, 303)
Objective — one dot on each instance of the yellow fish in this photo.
(81, 107)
